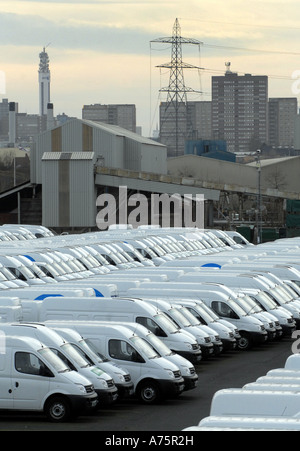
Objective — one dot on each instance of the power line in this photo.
(277, 52)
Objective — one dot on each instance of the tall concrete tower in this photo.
(44, 82)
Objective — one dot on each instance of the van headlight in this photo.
(82, 388)
(171, 374)
(121, 378)
(103, 383)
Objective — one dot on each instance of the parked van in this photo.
(252, 330)
(127, 310)
(293, 363)
(34, 379)
(103, 384)
(257, 423)
(186, 368)
(153, 376)
(238, 280)
(206, 316)
(38, 293)
(284, 317)
(208, 341)
(239, 402)
(24, 270)
(120, 376)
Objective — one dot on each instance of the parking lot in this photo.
(231, 370)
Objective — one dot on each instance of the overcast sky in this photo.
(100, 50)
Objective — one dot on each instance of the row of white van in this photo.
(269, 403)
(38, 363)
(80, 277)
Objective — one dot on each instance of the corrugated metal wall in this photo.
(69, 197)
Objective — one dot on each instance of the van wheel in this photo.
(149, 392)
(245, 342)
(57, 409)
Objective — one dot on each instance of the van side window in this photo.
(224, 310)
(151, 325)
(121, 350)
(28, 363)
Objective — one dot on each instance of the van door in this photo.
(30, 381)
(123, 354)
(6, 392)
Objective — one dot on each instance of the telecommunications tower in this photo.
(175, 124)
(44, 82)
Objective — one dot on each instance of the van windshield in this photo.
(92, 351)
(191, 318)
(53, 360)
(159, 345)
(94, 348)
(144, 348)
(166, 323)
(73, 354)
(179, 317)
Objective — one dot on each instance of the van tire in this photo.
(57, 409)
(148, 392)
(245, 342)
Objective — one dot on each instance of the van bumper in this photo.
(259, 338)
(229, 345)
(172, 389)
(83, 404)
(207, 351)
(125, 391)
(288, 329)
(190, 382)
(193, 357)
(107, 397)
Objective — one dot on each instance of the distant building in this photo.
(210, 149)
(123, 116)
(193, 121)
(240, 110)
(200, 115)
(282, 115)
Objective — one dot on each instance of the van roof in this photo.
(34, 330)
(93, 326)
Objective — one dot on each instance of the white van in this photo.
(239, 402)
(257, 423)
(186, 368)
(34, 379)
(208, 341)
(24, 270)
(252, 330)
(206, 316)
(153, 376)
(293, 363)
(112, 309)
(103, 384)
(39, 293)
(120, 376)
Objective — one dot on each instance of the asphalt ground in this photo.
(232, 370)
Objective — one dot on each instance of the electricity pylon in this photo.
(175, 124)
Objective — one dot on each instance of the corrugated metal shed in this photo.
(69, 196)
(117, 147)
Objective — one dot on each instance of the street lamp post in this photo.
(259, 198)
